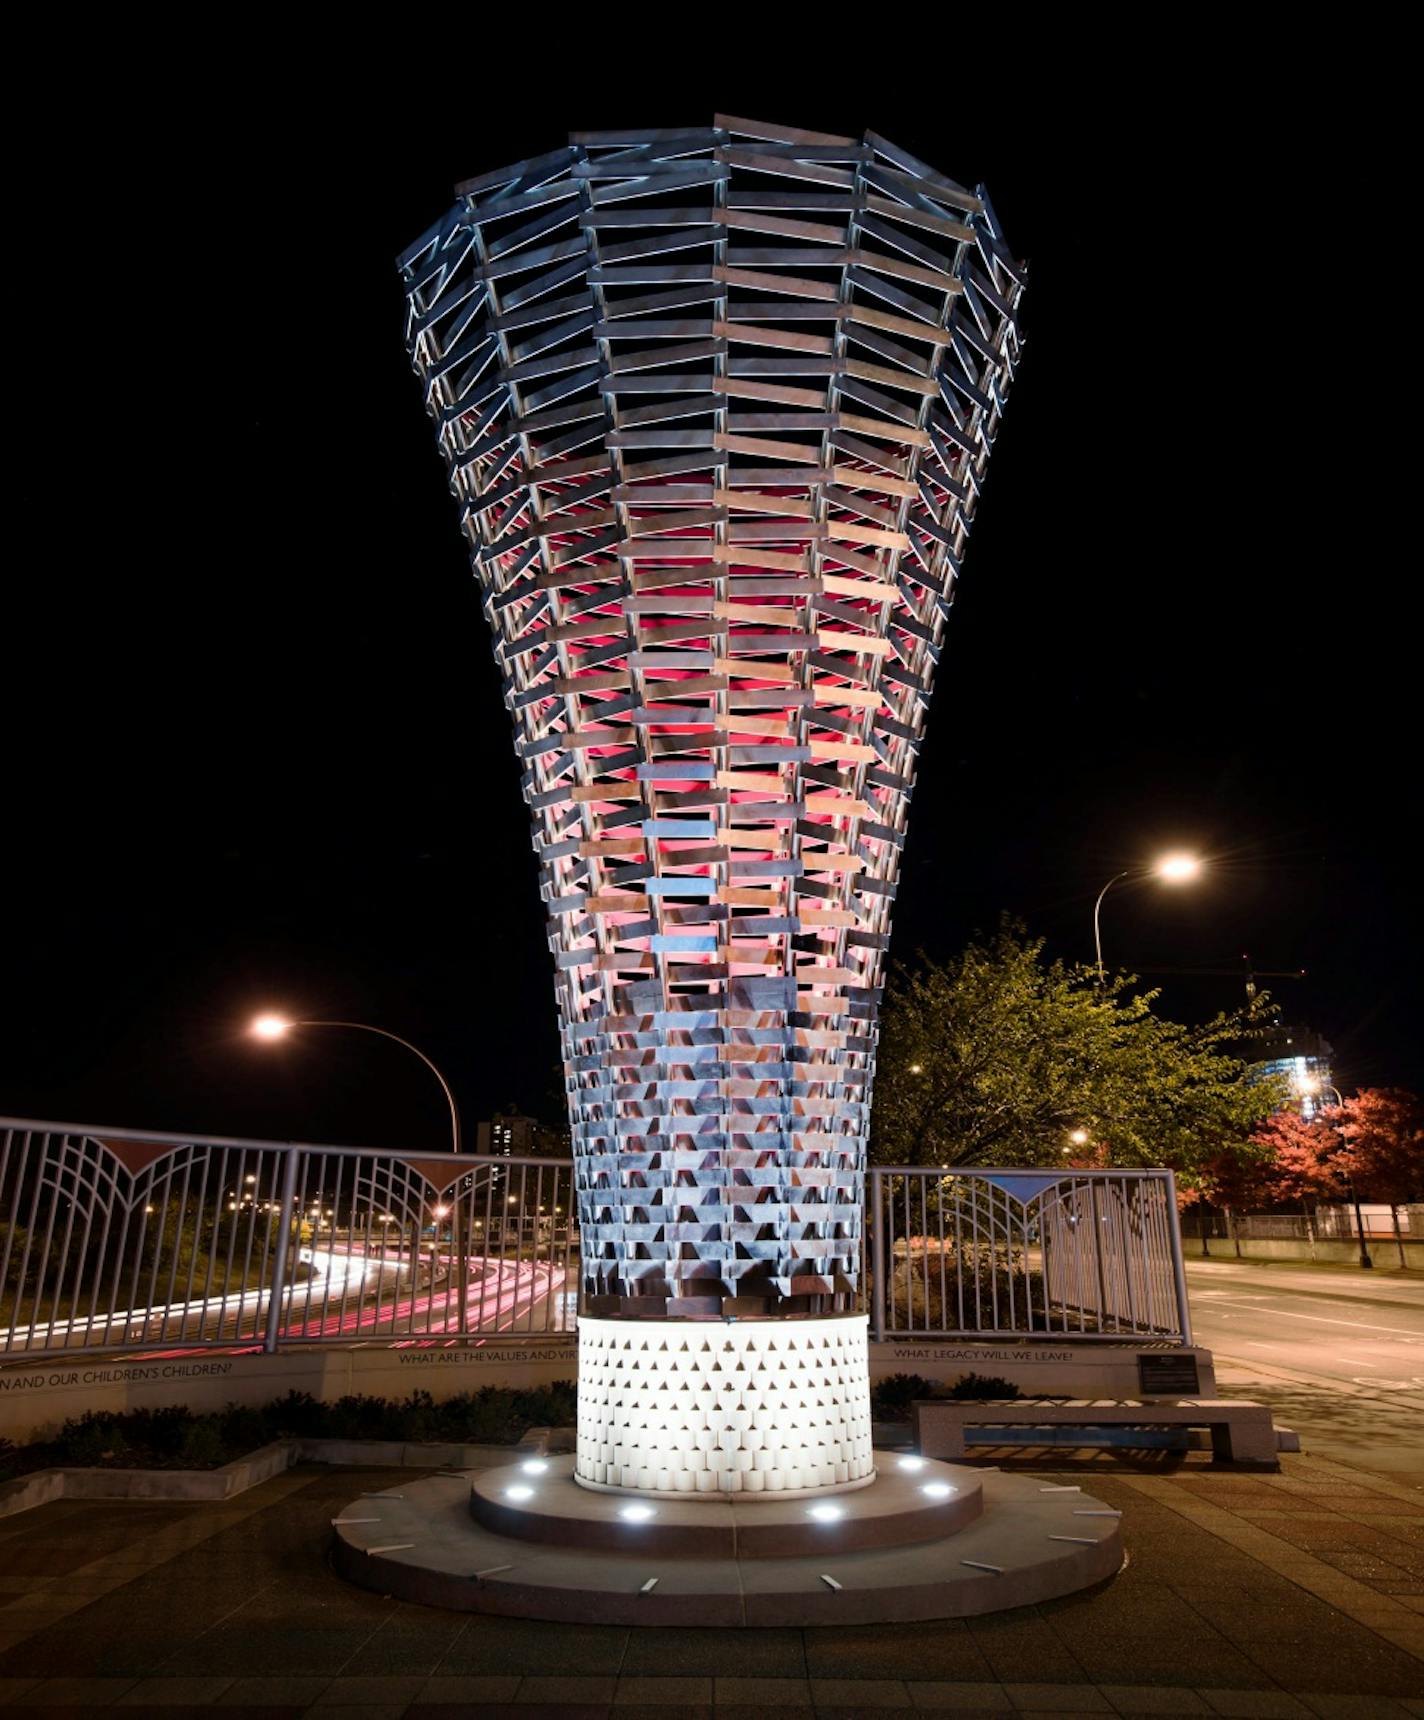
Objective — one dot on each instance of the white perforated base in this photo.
(724, 1406)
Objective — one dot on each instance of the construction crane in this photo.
(1251, 974)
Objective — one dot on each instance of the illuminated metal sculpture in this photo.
(717, 406)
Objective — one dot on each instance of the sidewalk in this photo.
(1384, 1284)
(1245, 1595)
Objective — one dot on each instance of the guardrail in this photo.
(120, 1239)
(968, 1252)
(114, 1239)
(1324, 1224)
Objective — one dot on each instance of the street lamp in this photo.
(273, 1027)
(1312, 1084)
(1171, 869)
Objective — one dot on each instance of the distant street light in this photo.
(1313, 1084)
(272, 1027)
(1171, 869)
(1177, 868)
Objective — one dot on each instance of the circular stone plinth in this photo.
(911, 1501)
(1029, 1543)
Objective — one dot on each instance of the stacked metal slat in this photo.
(717, 407)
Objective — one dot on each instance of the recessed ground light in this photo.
(937, 1490)
(519, 1493)
(911, 1463)
(637, 1513)
(535, 1466)
(824, 1513)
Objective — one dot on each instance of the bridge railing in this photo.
(965, 1251)
(115, 1239)
(119, 1239)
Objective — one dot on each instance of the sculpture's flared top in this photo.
(717, 405)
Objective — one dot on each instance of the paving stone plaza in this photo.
(1295, 1594)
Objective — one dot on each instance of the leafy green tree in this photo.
(1002, 1056)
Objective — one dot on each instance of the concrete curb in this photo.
(198, 1486)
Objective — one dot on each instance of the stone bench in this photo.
(1240, 1432)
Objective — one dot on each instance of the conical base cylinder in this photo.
(716, 1407)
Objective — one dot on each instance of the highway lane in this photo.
(350, 1295)
(498, 1294)
(1339, 1356)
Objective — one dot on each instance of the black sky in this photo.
(255, 752)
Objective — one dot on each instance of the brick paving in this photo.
(1295, 1595)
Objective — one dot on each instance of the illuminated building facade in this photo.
(506, 1135)
(717, 406)
(1303, 1058)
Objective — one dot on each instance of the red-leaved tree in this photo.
(1383, 1131)
(1303, 1160)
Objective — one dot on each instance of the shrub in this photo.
(243, 1429)
(296, 1415)
(980, 1388)
(93, 1438)
(201, 1445)
(890, 1398)
(174, 1437)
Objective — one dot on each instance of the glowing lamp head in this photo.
(270, 1027)
(1079, 1137)
(440, 1211)
(1309, 1084)
(1177, 868)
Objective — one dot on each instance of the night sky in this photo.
(255, 753)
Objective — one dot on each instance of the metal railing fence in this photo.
(119, 1239)
(114, 1239)
(961, 1251)
(1323, 1224)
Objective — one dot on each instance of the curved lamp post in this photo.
(1313, 1084)
(1171, 869)
(272, 1027)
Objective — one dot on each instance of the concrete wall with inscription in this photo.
(1067, 1370)
(36, 1398)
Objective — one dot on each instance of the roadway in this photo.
(1337, 1352)
(350, 1294)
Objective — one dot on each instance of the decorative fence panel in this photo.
(111, 1239)
(970, 1252)
(114, 1239)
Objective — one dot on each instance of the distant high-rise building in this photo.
(1304, 1058)
(507, 1136)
